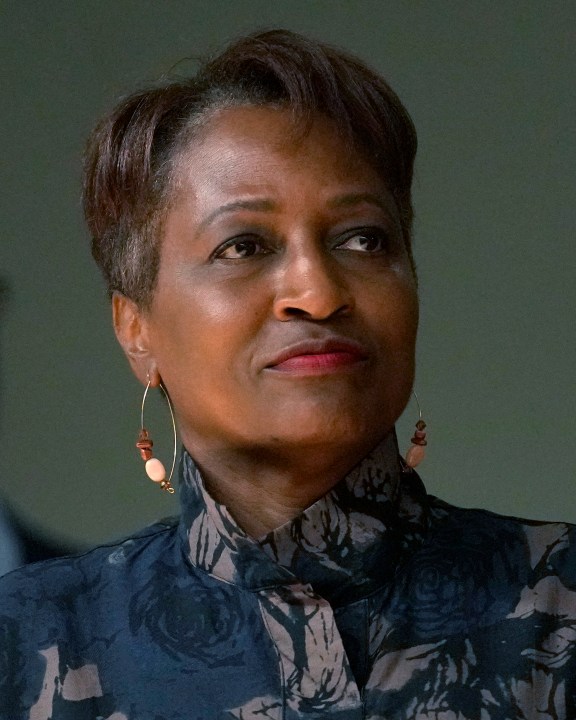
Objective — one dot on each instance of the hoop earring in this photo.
(416, 452)
(154, 468)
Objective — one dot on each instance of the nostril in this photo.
(297, 312)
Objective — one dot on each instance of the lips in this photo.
(318, 356)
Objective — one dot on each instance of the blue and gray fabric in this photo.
(377, 602)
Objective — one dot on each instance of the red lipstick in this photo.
(318, 357)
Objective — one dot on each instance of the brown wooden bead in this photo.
(144, 441)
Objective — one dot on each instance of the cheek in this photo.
(394, 313)
(407, 316)
(204, 328)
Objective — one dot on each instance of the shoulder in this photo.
(539, 535)
(476, 569)
(540, 554)
(71, 605)
(64, 581)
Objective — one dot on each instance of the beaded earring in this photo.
(154, 468)
(417, 452)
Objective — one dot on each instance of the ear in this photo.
(133, 333)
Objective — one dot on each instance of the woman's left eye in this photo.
(366, 241)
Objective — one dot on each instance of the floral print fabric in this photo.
(377, 602)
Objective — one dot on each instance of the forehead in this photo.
(245, 147)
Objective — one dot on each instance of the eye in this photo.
(239, 248)
(368, 240)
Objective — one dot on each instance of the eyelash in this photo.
(379, 234)
(257, 244)
(238, 240)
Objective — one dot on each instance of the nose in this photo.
(311, 285)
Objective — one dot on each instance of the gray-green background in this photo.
(491, 88)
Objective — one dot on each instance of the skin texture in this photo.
(269, 243)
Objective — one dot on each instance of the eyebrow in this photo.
(351, 199)
(266, 205)
(263, 205)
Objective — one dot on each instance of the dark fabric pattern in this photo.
(377, 602)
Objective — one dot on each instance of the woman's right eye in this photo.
(238, 249)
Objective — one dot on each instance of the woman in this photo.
(253, 225)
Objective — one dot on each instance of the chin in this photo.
(337, 431)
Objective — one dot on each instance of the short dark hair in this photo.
(131, 154)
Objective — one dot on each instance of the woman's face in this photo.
(285, 310)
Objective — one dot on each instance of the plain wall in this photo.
(491, 89)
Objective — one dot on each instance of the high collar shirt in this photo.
(377, 602)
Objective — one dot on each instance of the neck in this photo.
(265, 489)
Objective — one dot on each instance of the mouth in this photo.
(319, 357)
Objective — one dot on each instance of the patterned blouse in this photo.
(378, 601)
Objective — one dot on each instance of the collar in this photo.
(346, 545)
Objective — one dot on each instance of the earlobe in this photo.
(132, 332)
